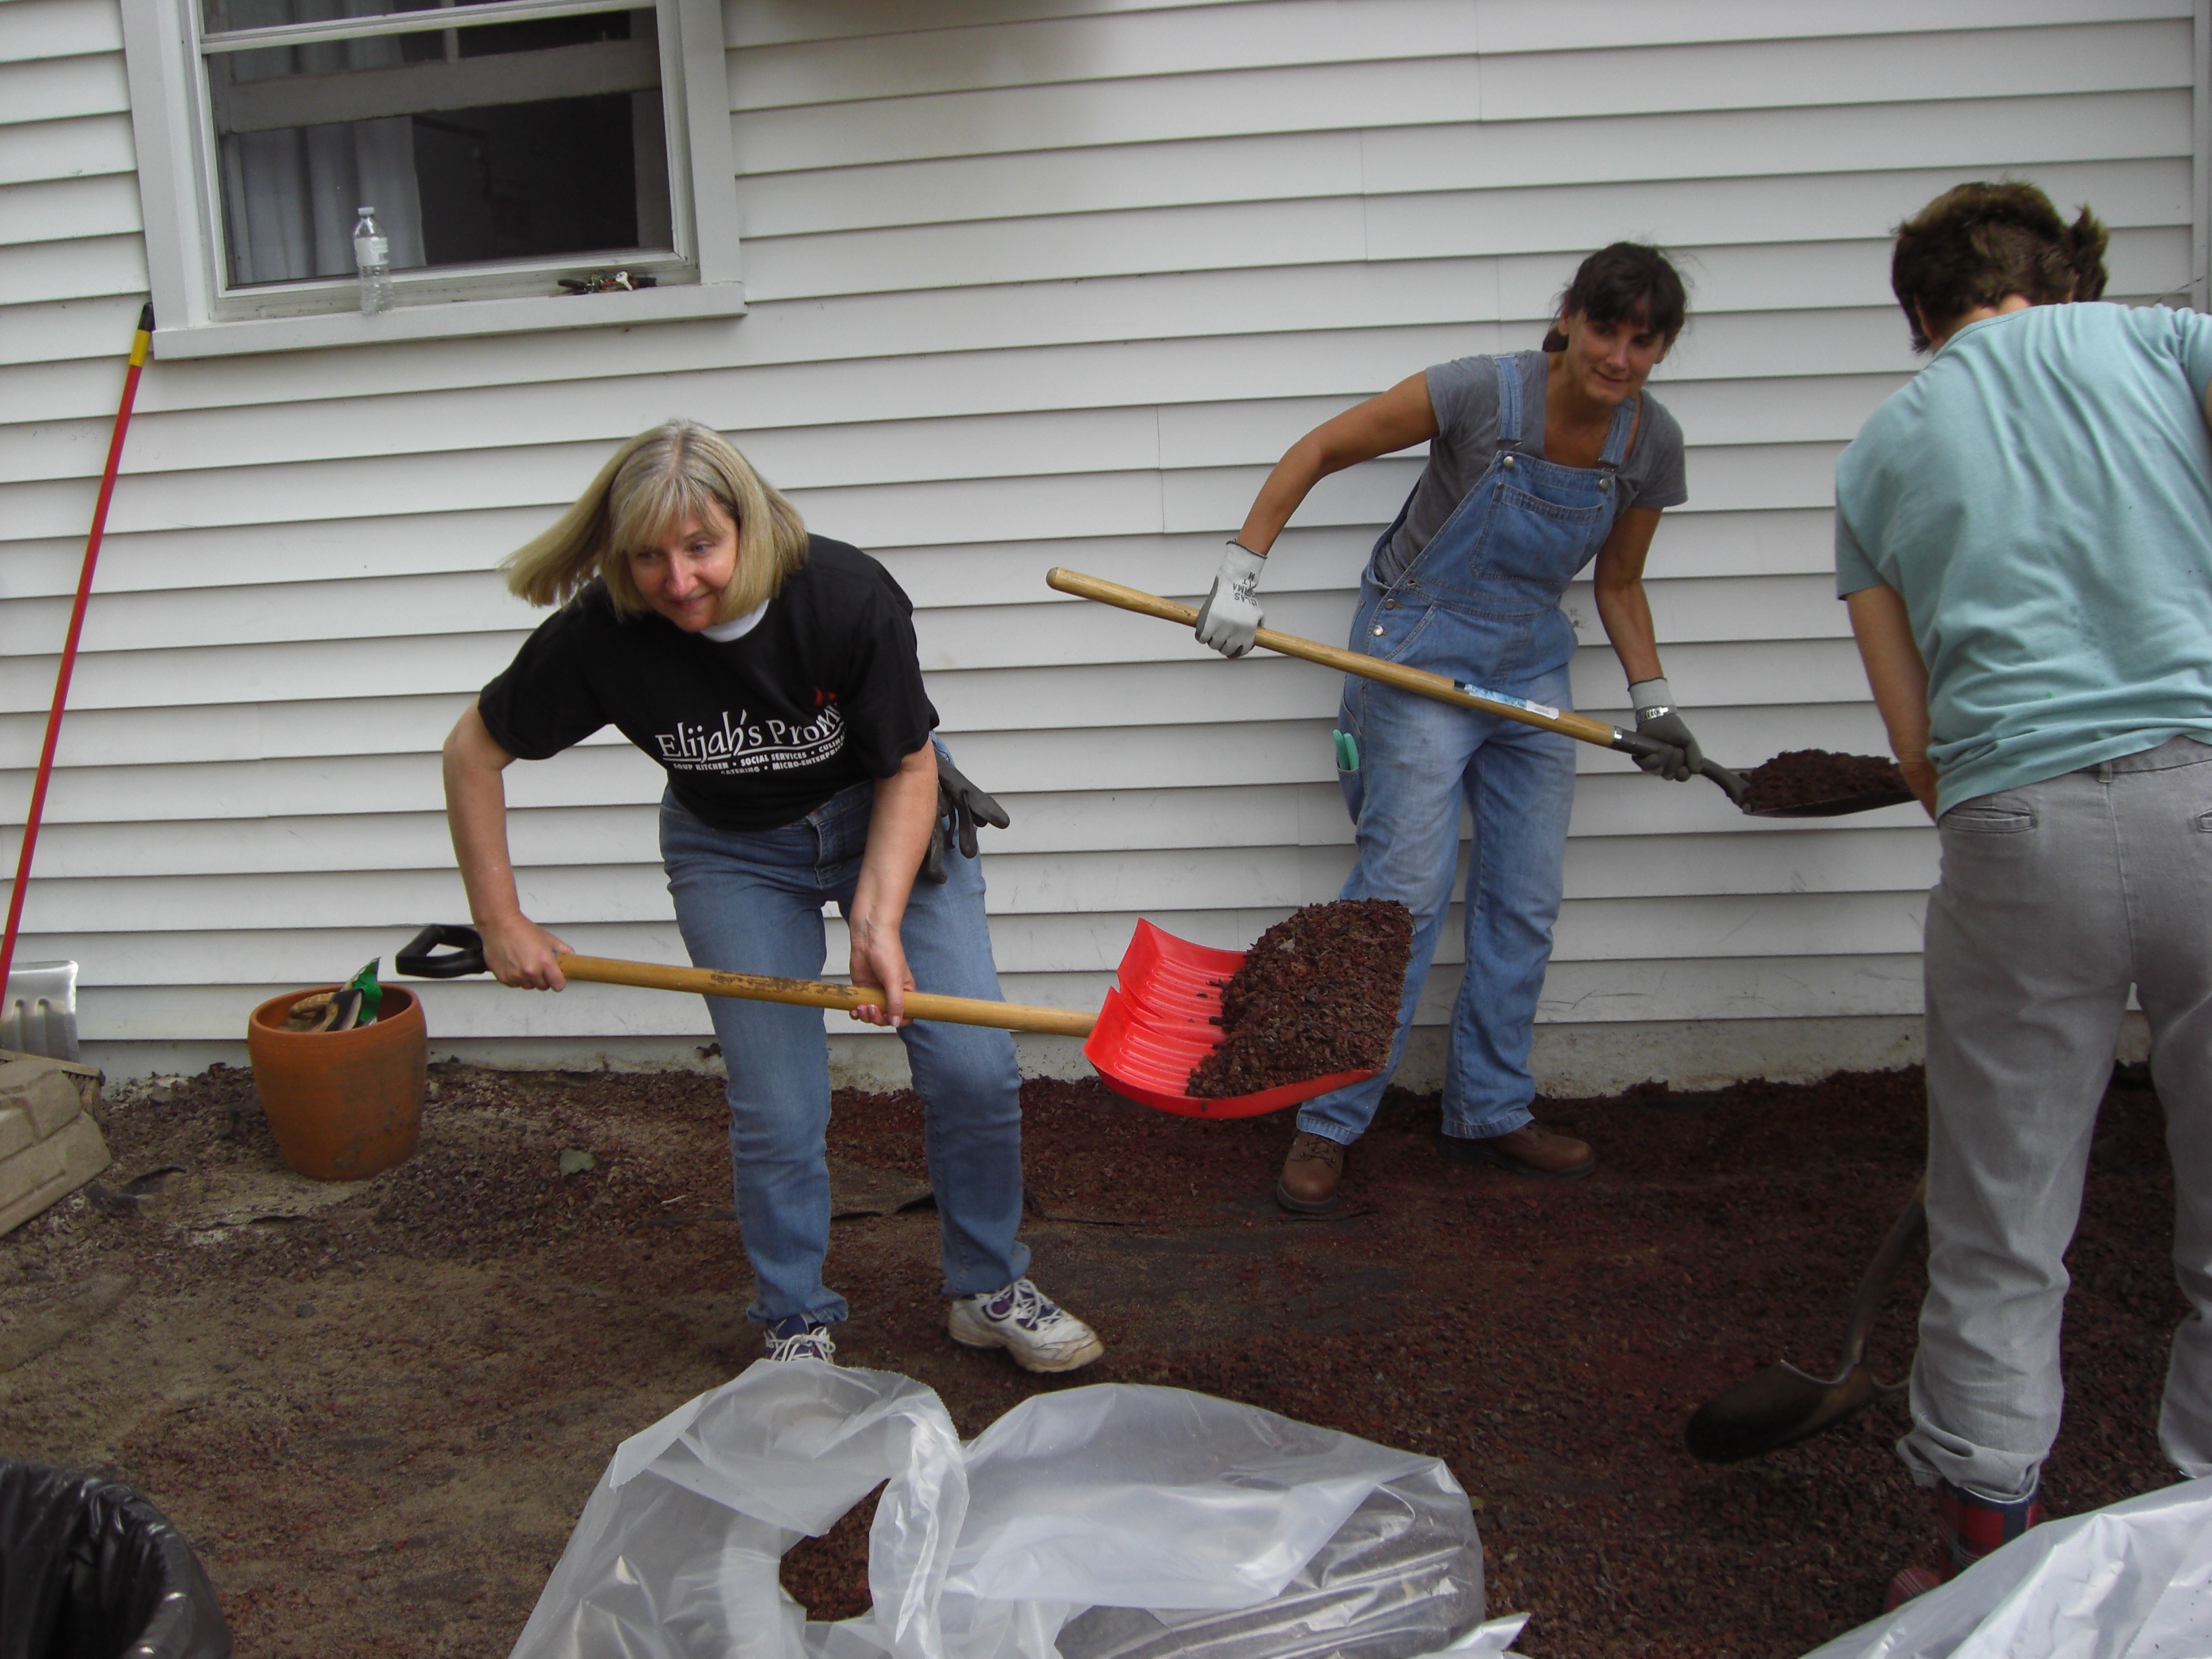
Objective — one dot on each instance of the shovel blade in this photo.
(1834, 807)
(39, 1014)
(1779, 1407)
(1159, 1022)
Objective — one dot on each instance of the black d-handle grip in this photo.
(1731, 783)
(466, 957)
(1635, 742)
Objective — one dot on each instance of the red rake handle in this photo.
(139, 344)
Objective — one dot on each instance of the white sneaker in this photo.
(1040, 1335)
(799, 1338)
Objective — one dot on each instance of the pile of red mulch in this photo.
(1317, 994)
(1549, 1342)
(377, 1421)
(1799, 777)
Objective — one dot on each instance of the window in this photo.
(504, 145)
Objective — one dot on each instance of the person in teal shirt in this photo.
(2024, 537)
(2038, 497)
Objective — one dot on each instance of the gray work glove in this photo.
(1229, 617)
(960, 807)
(1656, 717)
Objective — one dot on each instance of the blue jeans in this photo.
(1418, 760)
(752, 903)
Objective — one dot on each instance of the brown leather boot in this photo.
(1530, 1149)
(1311, 1173)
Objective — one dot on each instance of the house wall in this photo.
(1046, 282)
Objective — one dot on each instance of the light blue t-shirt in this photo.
(2041, 495)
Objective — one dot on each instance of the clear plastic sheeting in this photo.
(2131, 1581)
(1105, 1523)
(1197, 1502)
(1496, 1637)
(1392, 1584)
(675, 1555)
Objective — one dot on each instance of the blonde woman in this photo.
(773, 675)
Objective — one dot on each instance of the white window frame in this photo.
(201, 315)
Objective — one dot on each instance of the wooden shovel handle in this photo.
(820, 994)
(1420, 680)
(1882, 1272)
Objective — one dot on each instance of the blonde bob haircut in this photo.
(651, 488)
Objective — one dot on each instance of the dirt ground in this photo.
(377, 1409)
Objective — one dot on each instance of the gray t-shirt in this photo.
(1464, 394)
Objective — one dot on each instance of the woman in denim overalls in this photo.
(1580, 474)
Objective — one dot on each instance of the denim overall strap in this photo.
(1509, 438)
(1504, 558)
(1617, 432)
(1508, 401)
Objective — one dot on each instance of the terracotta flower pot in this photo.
(344, 1105)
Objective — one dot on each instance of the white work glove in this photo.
(1656, 717)
(1229, 617)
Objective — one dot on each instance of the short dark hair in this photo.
(1627, 282)
(1976, 244)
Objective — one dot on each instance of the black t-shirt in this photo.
(824, 692)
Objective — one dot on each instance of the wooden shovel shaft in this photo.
(820, 994)
(1417, 680)
(1881, 1274)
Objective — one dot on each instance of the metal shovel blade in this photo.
(1834, 807)
(39, 1014)
(1782, 1405)
(1778, 1407)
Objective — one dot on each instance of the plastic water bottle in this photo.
(372, 257)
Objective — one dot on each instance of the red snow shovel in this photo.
(1160, 1022)
(1156, 1024)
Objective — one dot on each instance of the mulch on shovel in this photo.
(1798, 777)
(1318, 994)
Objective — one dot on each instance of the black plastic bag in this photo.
(89, 1569)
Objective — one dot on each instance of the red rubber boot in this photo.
(1969, 1527)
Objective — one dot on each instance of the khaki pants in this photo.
(2054, 900)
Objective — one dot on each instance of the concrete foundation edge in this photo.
(1568, 1059)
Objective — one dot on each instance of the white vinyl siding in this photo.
(1028, 291)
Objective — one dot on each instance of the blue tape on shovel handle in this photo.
(1543, 709)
